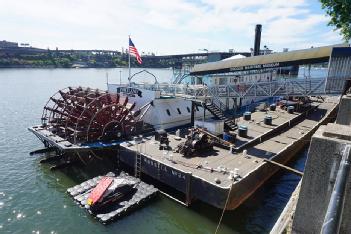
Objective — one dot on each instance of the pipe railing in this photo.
(331, 224)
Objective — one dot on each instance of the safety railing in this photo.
(331, 224)
(280, 87)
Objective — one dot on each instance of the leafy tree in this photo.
(340, 13)
(65, 62)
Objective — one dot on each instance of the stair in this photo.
(230, 124)
(218, 113)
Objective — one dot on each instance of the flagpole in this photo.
(129, 58)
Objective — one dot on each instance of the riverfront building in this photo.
(7, 44)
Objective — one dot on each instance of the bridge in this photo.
(33, 50)
(191, 59)
(181, 63)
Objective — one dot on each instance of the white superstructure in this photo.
(165, 111)
(171, 103)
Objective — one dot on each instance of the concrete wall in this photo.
(324, 156)
(323, 161)
(344, 114)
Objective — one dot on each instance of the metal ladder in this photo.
(137, 168)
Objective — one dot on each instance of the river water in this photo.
(33, 199)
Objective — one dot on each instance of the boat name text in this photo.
(131, 92)
(164, 168)
(257, 66)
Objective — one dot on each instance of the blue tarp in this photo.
(102, 144)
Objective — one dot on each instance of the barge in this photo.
(219, 174)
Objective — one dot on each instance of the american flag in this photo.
(133, 51)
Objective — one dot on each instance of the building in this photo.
(8, 44)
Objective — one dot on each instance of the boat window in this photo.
(179, 112)
(188, 109)
(168, 112)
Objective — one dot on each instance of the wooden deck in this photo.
(64, 145)
(53, 140)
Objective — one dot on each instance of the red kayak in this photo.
(99, 190)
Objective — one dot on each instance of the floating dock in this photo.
(144, 193)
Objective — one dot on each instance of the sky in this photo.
(166, 26)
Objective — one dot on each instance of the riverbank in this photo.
(23, 57)
(19, 66)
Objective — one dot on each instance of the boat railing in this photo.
(331, 223)
(216, 101)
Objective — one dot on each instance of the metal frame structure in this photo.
(146, 71)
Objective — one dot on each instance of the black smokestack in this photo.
(257, 39)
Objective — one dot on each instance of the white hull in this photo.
(165, 112)
(169, 112)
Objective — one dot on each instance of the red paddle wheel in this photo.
(85, 115)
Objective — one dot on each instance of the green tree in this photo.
(340, 13)
(65, 62)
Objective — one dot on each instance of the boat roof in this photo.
(296, 57)
(237, 56)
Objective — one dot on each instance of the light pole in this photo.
(120, 77)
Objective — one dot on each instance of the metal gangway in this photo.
(339, 71)
(281, 87)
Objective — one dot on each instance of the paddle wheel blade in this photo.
(82, 115)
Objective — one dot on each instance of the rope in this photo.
(81, 159)
(225, 206)
(92, 152)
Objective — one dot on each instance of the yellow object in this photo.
(90, 201)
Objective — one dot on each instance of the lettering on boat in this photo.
(164, 168)
(156, 164)
(256, 66)
(129, 91)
